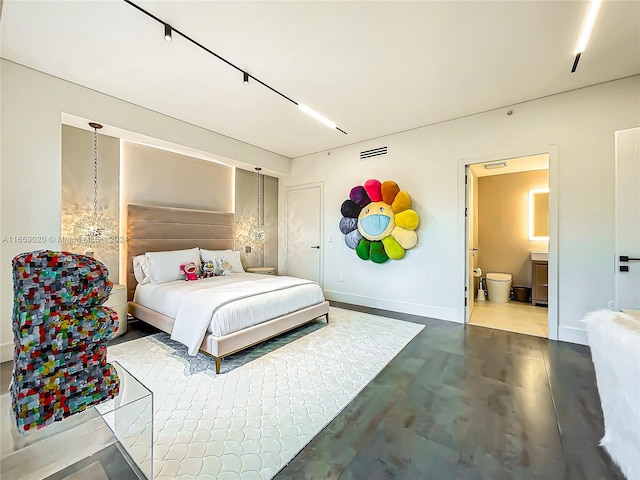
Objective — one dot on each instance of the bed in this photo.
(267, 307)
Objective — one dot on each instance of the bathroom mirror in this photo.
(539, 214)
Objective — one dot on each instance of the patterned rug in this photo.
(269, 402)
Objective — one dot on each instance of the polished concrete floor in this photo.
(462, 403)
(518, 317)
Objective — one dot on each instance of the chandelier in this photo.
(97, 229)
(250, 231)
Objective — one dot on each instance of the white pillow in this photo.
(165, 266)
(141, 269)
(232, 257)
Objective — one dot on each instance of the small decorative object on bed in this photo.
(208, 269)
(190, 271)
(614, 338)
(377, 221)
(224, 267)
(60, 333)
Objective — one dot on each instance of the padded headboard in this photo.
(156, 229)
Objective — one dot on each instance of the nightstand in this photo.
(118, 302)
(262, 270)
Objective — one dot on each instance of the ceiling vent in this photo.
(374, 152)
(491, 166)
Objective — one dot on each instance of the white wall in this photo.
(31, 145)
(430, 279)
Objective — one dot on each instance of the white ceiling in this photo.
(374, 68)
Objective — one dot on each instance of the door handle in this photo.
(317, 246)
(626, 258)
(474, 249)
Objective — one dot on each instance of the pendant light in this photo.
(251, 232)
(95, 229)
(259, 233)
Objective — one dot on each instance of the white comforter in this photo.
(222, 305)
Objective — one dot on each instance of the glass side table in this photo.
(113, 440)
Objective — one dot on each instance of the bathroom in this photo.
(508, 224)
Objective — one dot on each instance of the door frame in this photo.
(304, 186)
(463, 262)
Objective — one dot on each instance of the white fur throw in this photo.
(615, 349)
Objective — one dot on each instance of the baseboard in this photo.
(573, 335)
(439, 313)
(6, 352)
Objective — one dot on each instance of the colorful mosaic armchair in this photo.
(60, 331)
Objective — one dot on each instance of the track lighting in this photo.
(317, 116)
(168, 30)
(585, 33)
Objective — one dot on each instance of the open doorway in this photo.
(507, 236)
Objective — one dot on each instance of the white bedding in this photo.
(168, 299)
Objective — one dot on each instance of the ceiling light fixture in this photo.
(94, 230)
(167, 32)
(251, 231)
(585, 33)
(491, 166)
(245, 78)
(315, 115)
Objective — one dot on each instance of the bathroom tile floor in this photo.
(512, 316)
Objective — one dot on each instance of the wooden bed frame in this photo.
(153, 229)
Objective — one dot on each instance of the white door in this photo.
(628, 219)
(304, 232)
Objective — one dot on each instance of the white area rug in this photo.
(250, 422)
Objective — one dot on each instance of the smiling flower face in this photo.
(378, 222)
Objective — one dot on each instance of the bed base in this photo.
(220, 347)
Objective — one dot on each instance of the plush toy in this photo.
(224, 267)
(190, 271)
(208, 269)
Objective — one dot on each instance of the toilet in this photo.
(499, 287)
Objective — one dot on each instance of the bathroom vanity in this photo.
(539, 279)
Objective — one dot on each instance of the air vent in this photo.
(374, 152)
(491, 166)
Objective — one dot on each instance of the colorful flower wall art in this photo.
(377, 221)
